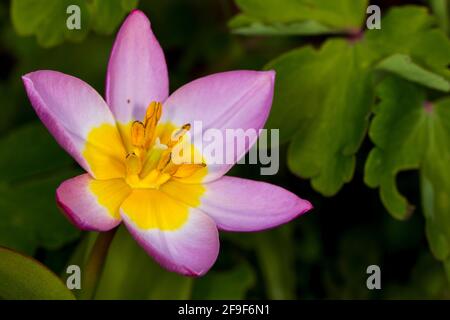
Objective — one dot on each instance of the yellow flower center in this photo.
(137, 168)
(149, 163)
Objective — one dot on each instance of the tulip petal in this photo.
(137, 71)
(230, 100)
(71, 110)
(238, 204)
(92, 204)
(181, 239)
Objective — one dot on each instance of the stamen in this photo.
(164, 160)
(137, 134)
(133, 164)
(153, 110)
(152, 117)
(151, 164)
(158, 111)
(150, 111)
(171, 168)
(177, 136)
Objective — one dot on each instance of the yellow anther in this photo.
(133, 164)
(152, 117)
(154, 111)
(150, 133)
(164, 160)
(150, 111)
(171, 168)
(187, 170)
(152, 163)
(158, 111)
(178, 135)
(137, 134)
(186, 127)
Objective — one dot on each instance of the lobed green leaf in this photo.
(410, 132)
(323, 97)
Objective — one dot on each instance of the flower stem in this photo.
(94, 265)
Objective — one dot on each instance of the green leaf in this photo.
(410, 133)
(418, 37)
(23, 278)
(30, 56)
(224, 285)
(435, 181)
(323, 97)
(29, 176)
(435, 194)
(317, 93)
(343, 15)
(441, 9)
(47, 19)
(130, 273)
(242, 24)
(404, 67)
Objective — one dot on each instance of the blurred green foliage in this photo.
(47, 19)
(441, 8)
(24, 278)
(325, 98)
(322, 148)
(335, 82)
(303, 17)
(29, 175)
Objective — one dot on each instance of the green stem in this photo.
(94, 265)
